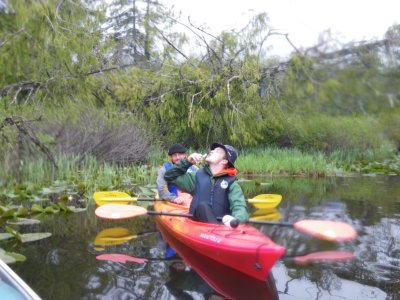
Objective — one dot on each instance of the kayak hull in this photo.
(244, 248)
(12, 286)
(228, 282)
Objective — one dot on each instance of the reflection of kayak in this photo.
(229, 282)
(12, 287)
(243, 248)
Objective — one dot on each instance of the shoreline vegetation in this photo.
(38, 183)
(92, 174)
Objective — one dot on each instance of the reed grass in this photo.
(274, 161)
(97, 175)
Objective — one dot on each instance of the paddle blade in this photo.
(121, 258)
(119, 211)
(324, 256)
(327, 230)
(265, 201)
(102, 198)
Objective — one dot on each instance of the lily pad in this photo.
(35, 198)
(46, 191)
(3, 208)
(51, 210)
(77, 209)
(8, 259)
(8, 213)
(146, 191)
(17, 256)
(11, 195)
(5, 236)
(11, 257)
(23, 221)
(36, 208)
(22, 211)
(64, 207)
(31, 237)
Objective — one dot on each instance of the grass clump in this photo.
(276, 161)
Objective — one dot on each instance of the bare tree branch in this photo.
(23, 127)
(229, 93)
(58, 8)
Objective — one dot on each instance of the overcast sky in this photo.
(303, 20)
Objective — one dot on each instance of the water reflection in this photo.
(268, 214)
(371, 205)
(228, 282)
(64, 266)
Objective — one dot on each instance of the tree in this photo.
(48, 48)
(138, 27)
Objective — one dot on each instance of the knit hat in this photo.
(176, 148)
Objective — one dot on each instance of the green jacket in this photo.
(186, 182)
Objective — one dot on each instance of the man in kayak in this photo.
(166, 191)
(215, 191)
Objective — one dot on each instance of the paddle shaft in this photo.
(259, 222)
(156, 213)
(233, 223)
(144, 199)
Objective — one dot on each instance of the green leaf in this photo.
(11, 257)
(3, 208)
(16, 256)
(22, 211)
(23, 221)
(146, 191)
(35, 198)
(65, 208)
(36, 208)
(31, 237)
(76, 209)
(11, 195)
(6, 258)
(8, 213)
(5, 236)
(46, 191)
(50, 210)
(13, 232)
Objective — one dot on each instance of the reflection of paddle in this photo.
(260, 201)
(116, 236)
(269, 214)
(123, 258)
(315, 257)
(325, 230)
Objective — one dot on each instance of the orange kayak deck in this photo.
(244, 248)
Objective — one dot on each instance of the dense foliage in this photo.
(66, 64)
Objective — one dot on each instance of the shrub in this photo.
(390, 123)
(328, 134)
(93, 134)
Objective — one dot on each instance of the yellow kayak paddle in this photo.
(262, 201)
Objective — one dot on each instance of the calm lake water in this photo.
(64, 266)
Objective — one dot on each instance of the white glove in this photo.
(230, 221)
(178, 200)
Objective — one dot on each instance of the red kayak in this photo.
(244, 248)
